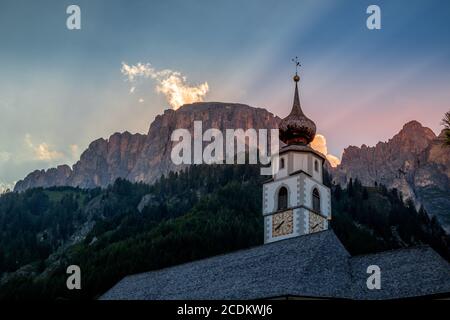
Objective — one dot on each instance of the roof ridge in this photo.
(415, 247)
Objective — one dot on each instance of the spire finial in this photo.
(297, 65)
(297, 128)
(296, 108)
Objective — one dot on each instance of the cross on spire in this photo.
(297, 64)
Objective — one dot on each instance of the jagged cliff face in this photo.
(40, 178)
(156, 152)
(140, 157)
(413, 161)
(106, 160)
(390, 163)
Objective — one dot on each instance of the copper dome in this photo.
(297, 128)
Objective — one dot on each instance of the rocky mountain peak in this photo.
(145, 157)
(413, 161)
(412, 125)
(413, 130)
(411, 140)
(413, 137)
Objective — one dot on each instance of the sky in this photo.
(60, 89)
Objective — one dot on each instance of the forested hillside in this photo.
(204, 211)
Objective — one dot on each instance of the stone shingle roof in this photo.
(405, 273)
(315, 265)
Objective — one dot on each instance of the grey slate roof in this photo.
(315, 265)
(405, 273)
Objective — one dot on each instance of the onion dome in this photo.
(297, 128)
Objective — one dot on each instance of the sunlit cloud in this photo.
(4, 156)
(333, 160)
(171, 83)
(74, 151)
(320, 144)
(42, 151)
(6, 186)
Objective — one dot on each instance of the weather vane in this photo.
(297, 64)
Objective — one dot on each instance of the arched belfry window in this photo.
(282, 198)
(316, 200)
(316, 165)
(282, 163)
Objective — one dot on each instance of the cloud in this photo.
(4, 156)
(139, 70)
(74, 151)
(6, 186)
(42, 151)
(177, 93)
(320, 144)
(170, 83)
(334, 161)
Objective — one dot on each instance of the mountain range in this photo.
(413, 161)
(145, 157)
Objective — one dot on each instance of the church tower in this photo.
(295, 200)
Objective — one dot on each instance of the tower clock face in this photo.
(316, 223)
(282, 223)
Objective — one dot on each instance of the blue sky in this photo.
(61, 89)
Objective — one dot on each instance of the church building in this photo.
(295, 200)
(301, 257)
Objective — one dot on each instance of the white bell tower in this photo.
(295, 200)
